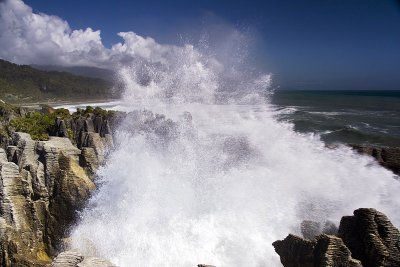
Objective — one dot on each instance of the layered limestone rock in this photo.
(74, 258)
(93, 131)
(371, 237)
(43, 185)
(366, 239)
(326, 250)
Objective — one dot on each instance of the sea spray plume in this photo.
(187, 76)
(220, 182)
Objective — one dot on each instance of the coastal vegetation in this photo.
(42, 123)
(22, 83)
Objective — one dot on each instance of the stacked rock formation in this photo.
(43, 185)
(366, 239)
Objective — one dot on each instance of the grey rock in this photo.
(74, 258)
(325, 251)
(371, 237)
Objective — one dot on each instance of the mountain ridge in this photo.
(23, 83)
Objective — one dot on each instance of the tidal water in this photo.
(360, 117)
(217, 180)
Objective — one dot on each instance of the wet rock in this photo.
(295, 251)
(371, 237)
(331, 251)
(326, 250)
(388, 157)
(74, 258)
(366, 239)
(68, 259)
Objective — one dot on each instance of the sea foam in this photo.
(220, 185)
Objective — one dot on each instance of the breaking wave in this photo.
(202, 172)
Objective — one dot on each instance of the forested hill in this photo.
(22, 83)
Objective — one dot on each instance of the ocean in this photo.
(229, 167)
(218, 183)
(355, 117)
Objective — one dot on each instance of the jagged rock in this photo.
(387, 157)
(89, 126)
(41, 190)
(295, 251)
(371, 237)
(3, 155)
(21, 241)
(12, 152)
(331, 251)
(89, 160)
(61, 128)
(325, 251)
(367, 238)
(44, 183)
(99, 144)
(74, 258)
(97, 123)
(69, 258)
(67, 184)
(105, 128)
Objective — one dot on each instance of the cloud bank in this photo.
(30, 38)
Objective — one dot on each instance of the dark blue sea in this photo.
(357, 117)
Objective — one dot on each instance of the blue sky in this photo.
(316, 44)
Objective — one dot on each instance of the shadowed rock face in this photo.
(43, 185)
(326, 250)
(371, 237)
(366, 239)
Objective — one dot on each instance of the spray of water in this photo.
(217, 179)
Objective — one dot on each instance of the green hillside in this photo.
(22, 83)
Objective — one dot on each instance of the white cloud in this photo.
(30, 38)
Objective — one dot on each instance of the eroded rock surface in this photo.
(326, 250)
(43, 185)
(74, 258)
(371, 237)
(366, 239)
